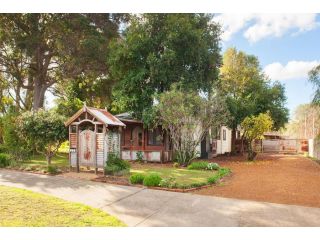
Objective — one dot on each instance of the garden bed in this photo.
(168, 178)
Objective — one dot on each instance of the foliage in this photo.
(254, 127)
(152, 180)
(137, 178)
(23, 208)
(152, 56)
(52, 169)
(198, 165)
(297, 127)
(67, 107)
(187, 117)
(249, 91)
(213, 166)
(13, 144)
(44, 130)
(139, 156)
(181, 178)
(203, 165)
(4, 160)
(314, 78)
(221, 173)
(47, 50)
(169, 183)
(116, 166)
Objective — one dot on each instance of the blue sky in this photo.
(287, 46)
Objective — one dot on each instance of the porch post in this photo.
(69, 149)
(95, 139)
(78, 146)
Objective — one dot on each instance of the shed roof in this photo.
(127, 117)
(101, 114)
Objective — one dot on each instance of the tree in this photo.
(37, 51)
(314, 78)
(249, 91)
(43, 130)
(254, 127)
(187, 117)
(161, 49)
(305, 123)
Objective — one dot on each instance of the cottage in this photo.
(93, 133)
(216, 142)
(153, 144)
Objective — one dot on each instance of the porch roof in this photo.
(101, 114)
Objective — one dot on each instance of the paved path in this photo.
(147, 207)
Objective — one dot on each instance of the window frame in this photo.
(155, 133)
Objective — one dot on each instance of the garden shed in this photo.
(93, 133)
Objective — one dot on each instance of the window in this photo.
(73, 129)
(224, 133)
(154, 137)
(99, 129)
(140, 138)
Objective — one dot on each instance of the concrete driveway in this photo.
(147, 207)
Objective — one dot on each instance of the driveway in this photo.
(147, 207)
(277, 178)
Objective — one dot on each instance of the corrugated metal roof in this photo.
(106, 117)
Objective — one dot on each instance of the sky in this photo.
(287, 46)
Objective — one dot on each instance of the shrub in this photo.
(116, 166)
(213, 179)
(200, 165)
(3, 148)
(42, 130)
(168, 183)
(4, 160)
(224, 171)
(221, 173)
(51, 169)
(152, 180)
(137, 178)
(13, 144)
(139, 156)
(213, 166)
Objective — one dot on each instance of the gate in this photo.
(87, 148)
(284, 145)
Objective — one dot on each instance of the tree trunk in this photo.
(38, 95)
(48, 157)
(251, 153)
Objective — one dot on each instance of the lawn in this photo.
(181, 175)
(23, 208)
(60, 160)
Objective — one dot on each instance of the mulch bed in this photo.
(277, 178)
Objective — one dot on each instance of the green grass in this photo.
(60, 160)
(23, 208)
(181, 175)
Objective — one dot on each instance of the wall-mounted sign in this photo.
(72, 150)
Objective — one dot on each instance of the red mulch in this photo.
(277, 178)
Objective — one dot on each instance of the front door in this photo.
(204, 153)
(87, 149)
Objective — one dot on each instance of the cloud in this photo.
(232, 23)
(292, 70)
(259, 26)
